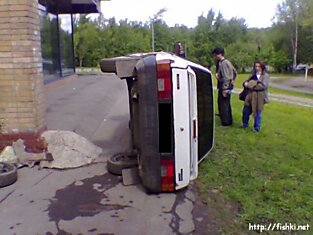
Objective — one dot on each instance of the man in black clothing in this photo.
(179, 50)
(225, 77)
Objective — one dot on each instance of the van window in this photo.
(165, 128)
(205, 112)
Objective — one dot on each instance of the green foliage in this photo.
(306, 17)
(94, 40)
(279, 60)
(162, 36)
(86, 42)
(101, 38)
(242, 54)
(295, 25)
(305, 51)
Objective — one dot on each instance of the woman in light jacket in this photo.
(257, 84)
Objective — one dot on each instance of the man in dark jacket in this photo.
(225, 76)
(179, 50)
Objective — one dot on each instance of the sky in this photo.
(257, 13)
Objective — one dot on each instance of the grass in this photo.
(292, 93)
(88, 71)
(268, 174)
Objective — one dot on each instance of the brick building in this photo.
(36, 48)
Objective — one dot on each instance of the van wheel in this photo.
(120, 161)
(8, 174)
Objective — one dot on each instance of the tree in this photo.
(288, 14)
(287, 42)
(306, 16)
(85, 40)
(306, 19)
(204, 39)
(241, 54)
(156, 17)
(231, 31)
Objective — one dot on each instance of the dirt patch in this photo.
(215, 215)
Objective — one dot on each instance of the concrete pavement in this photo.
(296, 83)
(89, 200)
(95, 107)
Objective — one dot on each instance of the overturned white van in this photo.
(171, 116)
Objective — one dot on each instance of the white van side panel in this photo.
(181, 110)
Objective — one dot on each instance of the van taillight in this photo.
(167, 176)
(164, 79)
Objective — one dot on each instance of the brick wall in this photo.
(22, 101)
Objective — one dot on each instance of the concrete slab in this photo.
(130, 176)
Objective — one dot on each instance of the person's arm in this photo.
(262, 84)
(245, 83)
(226, 70)
(251, 84)
(266, 80)
(259, 86)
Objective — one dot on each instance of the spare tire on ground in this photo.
(120, 161)
(8, 174)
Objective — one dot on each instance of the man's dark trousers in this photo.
(224, 108)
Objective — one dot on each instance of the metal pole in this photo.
(152, 35)
(306, 72)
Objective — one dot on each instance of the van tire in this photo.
(148, 124)
(8, 174)
(120, 161)
(132, 153)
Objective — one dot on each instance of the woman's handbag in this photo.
(243, 94)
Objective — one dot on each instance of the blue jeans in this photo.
(246, 112)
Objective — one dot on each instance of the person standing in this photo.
(257, 85)
(179, 50)
(225, 76)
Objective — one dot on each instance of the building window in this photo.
(56, 45)
(49, 45)
(66, 44)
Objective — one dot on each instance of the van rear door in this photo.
(182, 126)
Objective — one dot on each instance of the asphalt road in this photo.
(89, 200)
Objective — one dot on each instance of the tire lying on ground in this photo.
(120, 161)
(8, 174)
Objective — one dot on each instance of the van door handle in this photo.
(194, 127)
(177, 82)
(181, 175)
